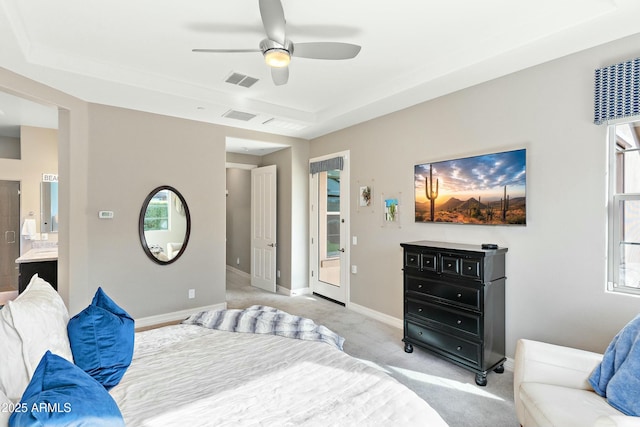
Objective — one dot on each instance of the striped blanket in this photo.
(261, 319)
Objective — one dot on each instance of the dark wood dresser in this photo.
(454, 304)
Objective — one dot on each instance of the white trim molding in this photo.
(238, 272)
(384, 318)
(158, 319)
(293, 292)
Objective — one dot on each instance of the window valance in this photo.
(326, 165)
(617, 91)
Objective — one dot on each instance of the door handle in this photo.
(273, 245)
(6, 236)
(341, 249)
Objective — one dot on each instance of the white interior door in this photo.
(263, 228)
(329, 215)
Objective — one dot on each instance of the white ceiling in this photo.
(138, 54)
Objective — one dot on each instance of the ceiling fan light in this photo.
(278, 58)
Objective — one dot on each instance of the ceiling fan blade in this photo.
(226, 50)
(280, 76)
(273, 20)
(325, 50)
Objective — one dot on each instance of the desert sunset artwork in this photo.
(486, 189)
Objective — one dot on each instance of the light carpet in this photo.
(448, 388)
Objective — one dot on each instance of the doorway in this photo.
(243, 156)
(329, 222)
(9, 235)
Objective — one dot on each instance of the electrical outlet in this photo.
(354, 269)
(192, 293)
(238, 261)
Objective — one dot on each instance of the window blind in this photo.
(326, 165)
(617, 91)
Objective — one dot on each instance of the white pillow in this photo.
(5, 410)
(39, 317)
(13, 371)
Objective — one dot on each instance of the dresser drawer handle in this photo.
(459, 322)
(459, 295)
(420, 333)
(420, 286)
(420, 310)
(449, 265)
(459, 348)
(469, 268)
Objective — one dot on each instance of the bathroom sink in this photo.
(40, 254)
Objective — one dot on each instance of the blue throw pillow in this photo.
(616, 377)
(62, 394)
(101, 338)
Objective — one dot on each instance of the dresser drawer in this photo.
(457, 347)
(460, 266)
(457, 320)
(429, 261)
(471, 268)
(459, 295)
(412, 259)
(450, 264)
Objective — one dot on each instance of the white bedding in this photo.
(186, 375)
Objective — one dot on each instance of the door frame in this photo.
(344, 296)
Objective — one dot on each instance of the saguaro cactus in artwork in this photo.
(504, 204)
(431, 195)
(489, 212)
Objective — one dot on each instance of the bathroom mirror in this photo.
(48, 207)
(164, 225)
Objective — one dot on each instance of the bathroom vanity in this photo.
(43, 261)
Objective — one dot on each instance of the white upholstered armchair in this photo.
(551, 388)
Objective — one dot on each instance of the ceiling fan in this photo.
(278, 49)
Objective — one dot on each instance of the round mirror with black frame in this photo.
(164, 225)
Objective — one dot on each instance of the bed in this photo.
(192, 375)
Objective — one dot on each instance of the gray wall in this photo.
(239, 219)
(556, 264)
(109, 159)
(9, 147)
(124, 167)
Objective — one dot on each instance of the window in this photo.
(624, 208)
(157, 215)
(333, 213)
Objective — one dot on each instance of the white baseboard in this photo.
(238, 272)
(279, 289)
(509, 364)
(158, 319)
(293, 292)
(384, 318)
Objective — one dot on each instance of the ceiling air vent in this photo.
(241, 80)
(239, 115)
